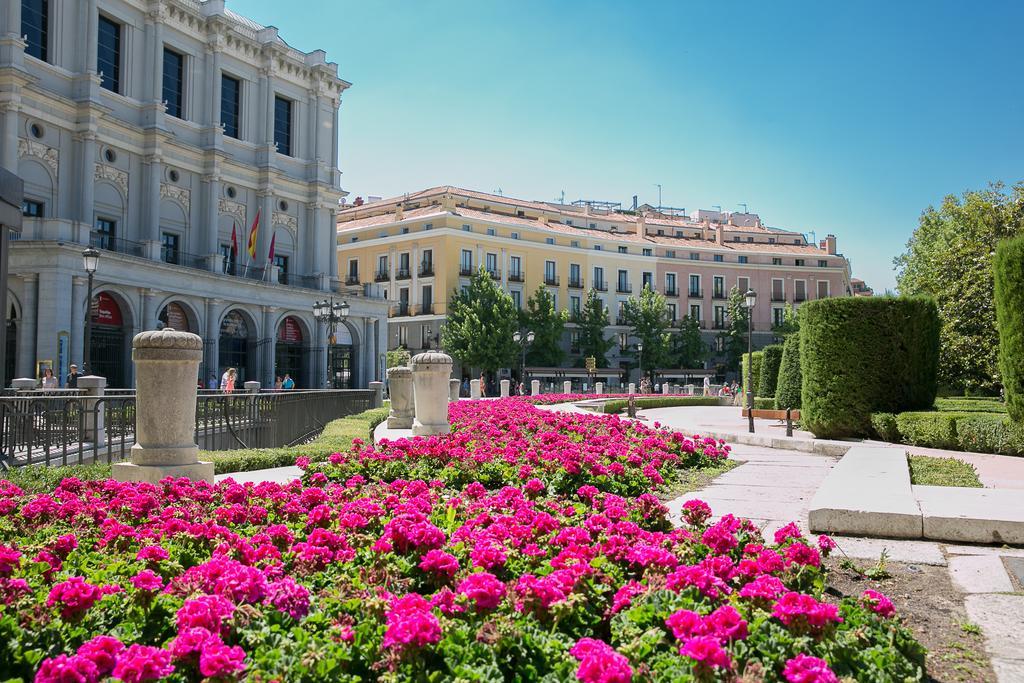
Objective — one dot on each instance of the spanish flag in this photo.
(253, 233)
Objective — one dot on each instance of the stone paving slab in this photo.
(910, 552)
(1008, 670)
(984, 550)
(280, 475)
(728, 491)
(972, 515)
(980, 574)
(999, 617)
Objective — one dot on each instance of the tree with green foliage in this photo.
(591, 325)
(398, 357)
(481, 322)
(950, 258)
(771, 360)
(649, 319)
(688, 349)
(548, 326)
(790, 323)
(788, 387)
(1009, 289)
(735, 334)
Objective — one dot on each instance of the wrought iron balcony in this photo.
(352, 279)
(426, 269)
(601, 285)
(381, 276)
(576, 284)
(515, 276)
(403, 274)
(696, 294)
(551, 280)
(624, 288)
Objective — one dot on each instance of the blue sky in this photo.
(847, 118)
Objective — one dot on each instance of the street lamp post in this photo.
(331, 312)
(750, 299)
(640, 361)
(90, 260)
(524, 341)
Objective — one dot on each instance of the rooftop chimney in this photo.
(542, 219)
(705, 225)
(641, 225)
(830, 244)
(399, 211)
(720, 234)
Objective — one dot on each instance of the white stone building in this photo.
(157, 131)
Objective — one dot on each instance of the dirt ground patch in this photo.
(930, 606)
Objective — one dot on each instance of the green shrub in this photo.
(970, 405)
(763, 403)
(983, 433)
(619, 404)
(1009, 298)
(926, 470)
(885, 428)
(756, 359)
(862, 355)
(771, 359)
(787, 388)
(929, 429)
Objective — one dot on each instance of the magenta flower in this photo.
(74, 596)
(483, 589)
(289, 597)
(439, 562)
(206, 611)
(102, 651)
(143, 663)
(600, 663)
(64, 669)
(686, 624)
(218, 660)
(147, 581)
(803, 611)
(9, 560)
(696, 512)
(878, 603)
(806, 669)
(410, 623)
(706, 651)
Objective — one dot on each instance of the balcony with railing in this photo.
(465, 270)
(778, 296)
(516, 276)
(672, 292)
(719, 325)
(352, 279)
(623, 288)
(551, 279)
(381, 276)
(601, 285)
(403, 274)
(426, 269)
(400, 310)
(797, 298)
(426, 309)
(621, 320)
(108, 242)
(576, 283)
(719, 294)
(696, 293)
(494, 273)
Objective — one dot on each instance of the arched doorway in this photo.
(234, 346)
(175, 316)
(107, 350)
(340, 359)
(290, 352)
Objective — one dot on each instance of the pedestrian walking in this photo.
(49, 381)
(71, 381)
(288, 384)
(212, 383)
(483, 386)
(278, 383)
(227, 381)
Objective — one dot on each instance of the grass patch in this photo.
(618, 405)
(337, 436)
(928, 471)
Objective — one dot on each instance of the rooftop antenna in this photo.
(562, 199)
(499, 192)
(744, 205)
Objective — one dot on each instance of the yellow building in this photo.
(419, 248)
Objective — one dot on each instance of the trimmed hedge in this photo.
(1009, 298)
(337, 436)
(884, 426)
(971, 405)
(929, 429)
(618, 405)
(975, 432)
(771, 359)
(983, 433)
(755, 357)
(764, 403)
(861, 355)
(787, 389)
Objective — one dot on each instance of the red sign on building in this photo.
(290, 332)
(105, 311)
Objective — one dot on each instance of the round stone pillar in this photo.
(567, 387)
(454, 386)
(400, 389)
(632, 387)
(599, 388)
(166, 367)
(474, 389)
(430, 373)
(535, 387)
(505, 384)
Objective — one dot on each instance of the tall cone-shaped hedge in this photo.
(771, 359)
(860, 355)
(1009, 277)
(787, 390)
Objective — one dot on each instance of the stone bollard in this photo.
(567, 387)
(535, 387)
(632, 388)
(166, 365)
(474, 389)
(430, 373)
(251, 387)
(599, 388)
(400, 386)
(505, 385)
(378, 394)
(664, 389)
(23, 384)
(95, 430)
(454, 387)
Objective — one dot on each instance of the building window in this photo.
(718, 285)
(599, 278)
(574, 306)
(822, 263)
(515, 235)
(670, 253)
(491, 263)
(403, 333)
(575, 244)
(695, 286)
(283, 125)
(105, 234)
(427, 298)
(281, 261)
(799, 290)
(750, 239)
(777, 316)
(228, 259)
(517, 299)
(427, 263)
(383, 271)
(694, 256)
(230, 105)
(743, 284)
(670, 284)
(648, 280)
(597, 247)
(426, 336)
(623, 284)
(108, 54)
(742, 259)
(623, 250)
(549, 273)
(776, 261)
(31, 209)
(800, 262)
(672, 312)
(720, 343)
(623, 341)
(574, 275)
(515, 267)
(823, 289)
(169, 247)
(466, 262)
(771, 240)
(549, 240)
(719, 317)
(174, 82)
(695, 312)
(491, 232)
(35, 26)
(428, 226)
(778, 289)
(719, 258)
(574, 342)
(593, 226)
(647, 252)
(353, 270)
(466, 228)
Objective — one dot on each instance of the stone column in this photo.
(474, 389)
(535, 387)
(632, 388)
(665, 388)
(378, 393)
(430, 373)
(9, 139)
(454, 387)
(505, 385)
(152, 166)
(166, 365)
(27, 329)
(86, 147)
(567, 387)
(400, 388)
(269, 347)
(94, 428)
(251, 387)
(599, 388)
(211, 218)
